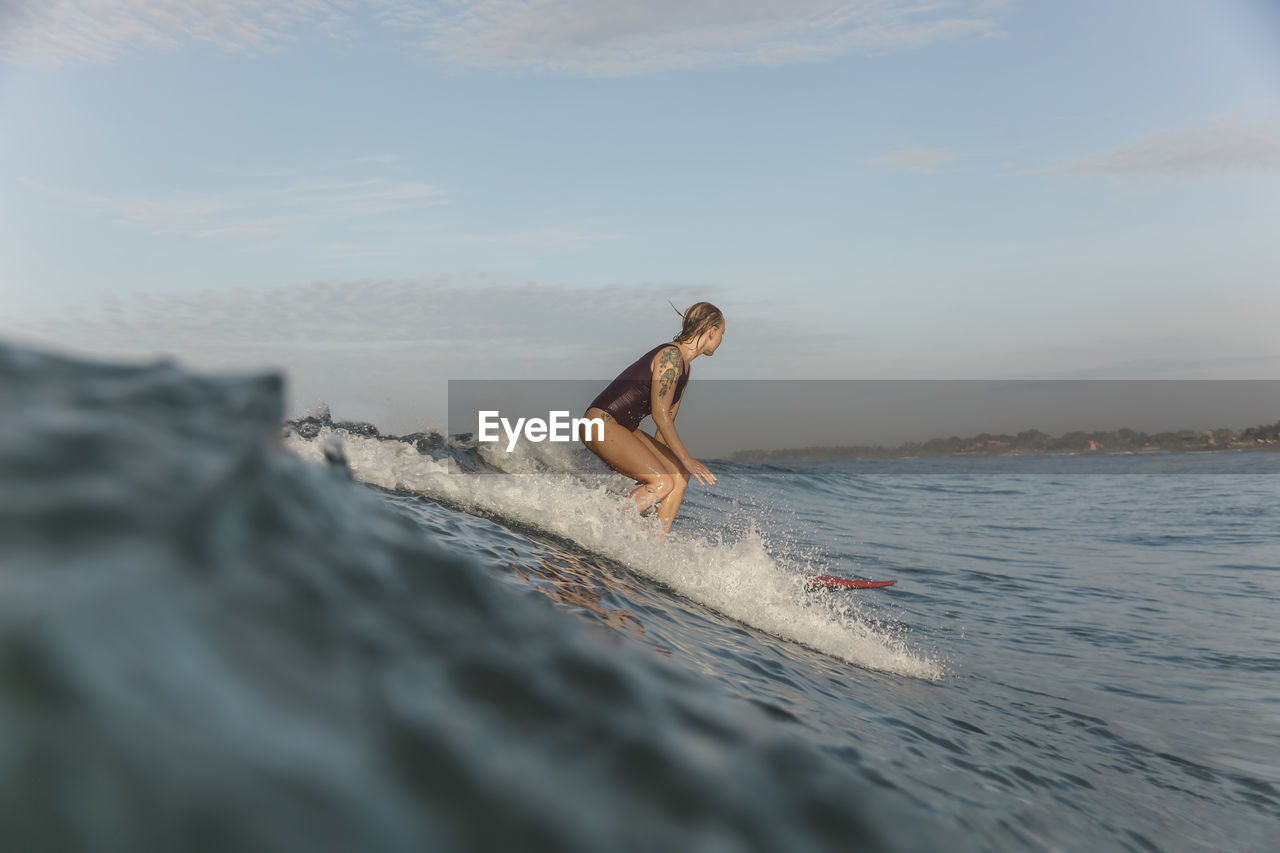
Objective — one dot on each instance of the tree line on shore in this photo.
(1033, 441)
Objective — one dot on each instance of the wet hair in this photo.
(697, 319)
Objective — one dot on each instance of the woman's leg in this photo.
(622, 451)
(671, 503)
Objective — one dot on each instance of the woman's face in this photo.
(714, 335)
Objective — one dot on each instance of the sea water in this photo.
(216, 634)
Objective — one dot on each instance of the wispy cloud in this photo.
(571, 36)
(372, 160)
(462, 325)
(588, 37)
(1221, 146)
(270, 208)
(381, 348)
(340, 219)
(918, 160)
(563, 237)
(58, 32)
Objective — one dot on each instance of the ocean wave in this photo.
(739, 575)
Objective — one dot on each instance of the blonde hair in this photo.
(697, 319)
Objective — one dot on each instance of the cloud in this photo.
(270, 208)
(917, 160)
(457, 319)
(447, 326)
(570, 36)
(589, 37)
(60, 32)
(1222, 146)
(563, 237)
(377, 348)
(338, 218)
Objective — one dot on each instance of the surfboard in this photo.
(830, 582)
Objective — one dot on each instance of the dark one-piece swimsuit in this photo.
(627, 399)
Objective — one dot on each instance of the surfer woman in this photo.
(653, 386)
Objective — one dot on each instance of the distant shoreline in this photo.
(1122, 442)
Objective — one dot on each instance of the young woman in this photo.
(653, 385)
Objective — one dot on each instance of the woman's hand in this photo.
(700, 471)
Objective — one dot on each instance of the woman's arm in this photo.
(675, 410)
(666, 375)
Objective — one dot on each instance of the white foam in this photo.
(739, 579)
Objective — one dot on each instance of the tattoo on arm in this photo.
(671, 365)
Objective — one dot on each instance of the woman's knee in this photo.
(663, 484)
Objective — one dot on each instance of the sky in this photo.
(376, 198)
